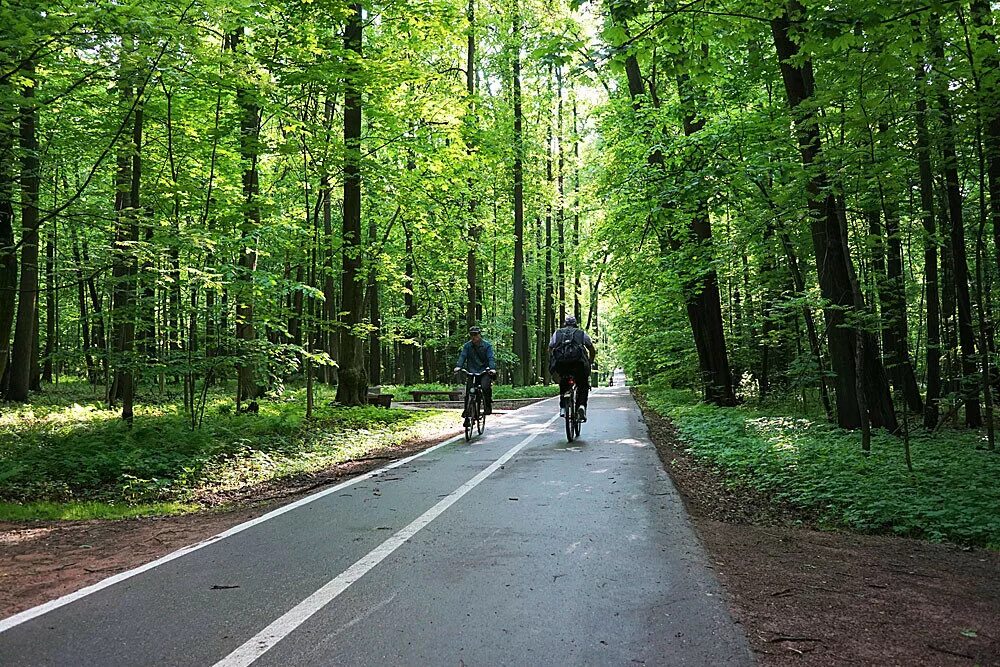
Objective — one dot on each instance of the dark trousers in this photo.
(581, 374)
(486, 382)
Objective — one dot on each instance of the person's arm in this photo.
(554, 339)
(589, 344)
(460, 364)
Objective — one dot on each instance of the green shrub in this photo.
(952, 493)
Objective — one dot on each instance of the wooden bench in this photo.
(379, 400)
(453, 395)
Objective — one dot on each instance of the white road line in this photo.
(267, 638)
(35, 612)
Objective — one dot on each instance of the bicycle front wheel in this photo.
(481, 413)
(470, 418)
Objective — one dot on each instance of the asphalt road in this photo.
(515, 549)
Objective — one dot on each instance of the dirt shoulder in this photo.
(43, 560)
(808, 597)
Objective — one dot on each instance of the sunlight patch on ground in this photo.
(631, 442)
(781, 432)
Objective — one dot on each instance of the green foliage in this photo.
(84, 453)
(951, 495)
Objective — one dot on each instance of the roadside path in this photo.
(515, 549)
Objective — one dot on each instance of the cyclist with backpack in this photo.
(571, 353)
(477, 358)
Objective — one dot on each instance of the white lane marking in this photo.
(267, 638)
(35, 612)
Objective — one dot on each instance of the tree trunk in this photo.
(704, 303)
(520, 306)
(830, 246)
(8, 250)
(561, 195)
(352, 388)
(51, 343)
(990, 109)
(374, 315)
(250, 119)
(474, 308)
(27, 313)
(960, 264)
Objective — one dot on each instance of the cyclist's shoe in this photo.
(562, 412)
(581, 411)
(489, 410)
(468, 421)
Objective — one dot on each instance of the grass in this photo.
(67, 456)
(952, 494)
(500, 391)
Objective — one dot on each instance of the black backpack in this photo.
(569, 347)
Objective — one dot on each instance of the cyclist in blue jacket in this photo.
(477, 357)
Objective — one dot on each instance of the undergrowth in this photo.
(500, 391)
(67, 456)
(952, 493)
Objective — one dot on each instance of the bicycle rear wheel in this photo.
(571, 415)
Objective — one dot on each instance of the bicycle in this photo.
(568, 401)
(475, 409)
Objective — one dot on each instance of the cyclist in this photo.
(571, 353)
(477, 357)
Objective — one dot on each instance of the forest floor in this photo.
(811, 597)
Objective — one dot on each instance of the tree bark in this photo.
(960, 264)
(520, 306)
(830, 246)
(27, 312)
(352, 388)
(8, 249)
(250, 119)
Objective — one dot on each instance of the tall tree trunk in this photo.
(960, 264)
(27, 313)
(250, 119)
(704, 303)
(520, 306)
(8, 249)
(352, 388)
(830, 246)
(123, 301)
(374, 315)
(474, 309)
(577, 284)
(561, 195)
(51, 343)
(411, 367)
(81, 293)
(982, 17)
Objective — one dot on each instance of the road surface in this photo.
(515, 549)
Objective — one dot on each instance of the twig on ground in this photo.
(950, 652)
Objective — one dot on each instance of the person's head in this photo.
(570, 321)
(475, 334)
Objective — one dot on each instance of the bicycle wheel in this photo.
(577, 424)
(481, 412)
(471, 417)
(571, 414)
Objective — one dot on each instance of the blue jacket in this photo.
(476, 360)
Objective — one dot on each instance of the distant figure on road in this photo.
(571, 353)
